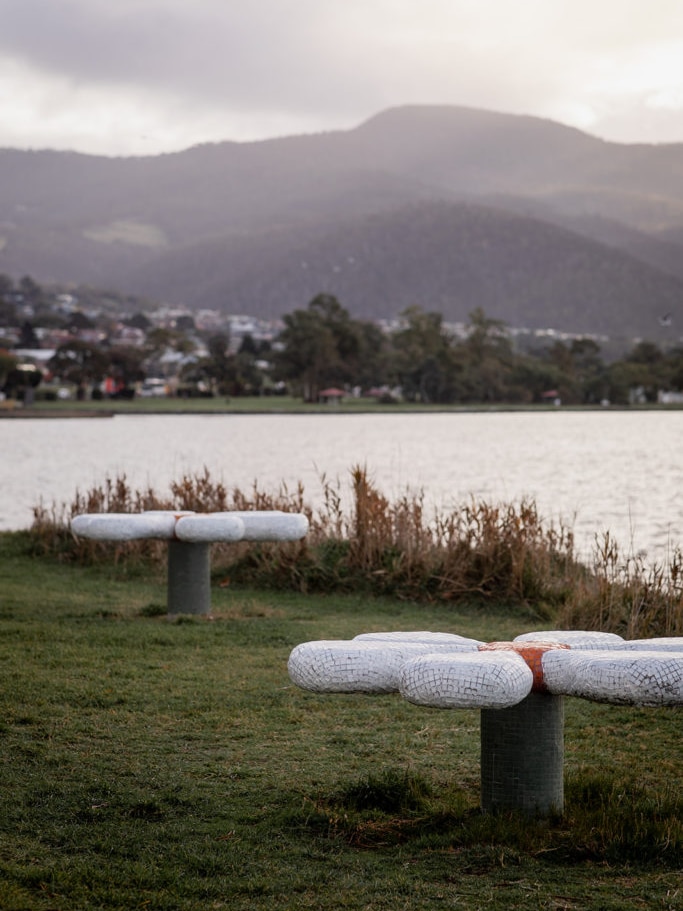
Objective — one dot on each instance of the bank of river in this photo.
(37, 414)
(283, 405)
(597, 471)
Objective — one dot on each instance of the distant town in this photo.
(85, 344)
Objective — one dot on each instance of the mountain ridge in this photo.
(238, 215)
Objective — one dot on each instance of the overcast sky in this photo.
(139, 77)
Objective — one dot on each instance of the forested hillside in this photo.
(446, 208)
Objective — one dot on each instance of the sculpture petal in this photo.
(574, 638)
(124, 526)
(491, 680)
(648, 678)
(352, 665)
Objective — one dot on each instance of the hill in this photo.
(449, 257)
(451, 208)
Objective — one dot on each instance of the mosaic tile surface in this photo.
(449, 671)
(266, 525)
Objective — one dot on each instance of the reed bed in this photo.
(495, 552)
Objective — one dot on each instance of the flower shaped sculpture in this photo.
(190, 536)
(518, 686)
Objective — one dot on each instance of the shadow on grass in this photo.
(605, 820)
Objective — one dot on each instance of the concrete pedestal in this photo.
(522, 756)
(189, 578)
(189, 537)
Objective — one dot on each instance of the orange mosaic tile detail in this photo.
(531, 652)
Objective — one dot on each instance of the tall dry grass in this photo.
(480, 551)
(625, 593)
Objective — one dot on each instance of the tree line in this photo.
(322, 346)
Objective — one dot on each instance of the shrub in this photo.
(485, 551)
(626, 594)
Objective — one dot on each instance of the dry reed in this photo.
(480, 551)
(628, 594)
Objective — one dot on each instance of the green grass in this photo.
(222, 405)
(149, 764)
(277, 404)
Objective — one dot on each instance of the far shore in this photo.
(280, 405)
(37, 413)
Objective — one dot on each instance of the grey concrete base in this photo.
(522, 756)
(189, 578)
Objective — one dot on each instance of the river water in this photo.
(596, 471)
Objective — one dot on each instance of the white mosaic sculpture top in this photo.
(449, 671)
(265, 525)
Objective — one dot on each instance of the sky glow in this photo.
(140, 77)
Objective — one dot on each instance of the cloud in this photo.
(121, 75)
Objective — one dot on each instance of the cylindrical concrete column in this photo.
(189, 578)
(522, 756)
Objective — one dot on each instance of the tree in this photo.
(185, 323)
(582, 376)
(22, 380)
(374, 356)
(6, 285)
(7, 363)
(125, 366)
(159, 340)
(250, 378)
(623, 379)
(77, 321)
(674, 363)
(31, 291)
(138, 321)
(8, 310)
(648, 369)
(248, 345)
(531, 378)
(319, 347)
(216, 371)
(27, 336)
(424, 361)
(487, 359)
(219, 365)
(589, 370)
(344, 330)
(79, 362)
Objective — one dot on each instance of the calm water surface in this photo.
(597, 471)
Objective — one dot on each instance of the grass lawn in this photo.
(259, 405)
(157, 765)
(217, 405)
